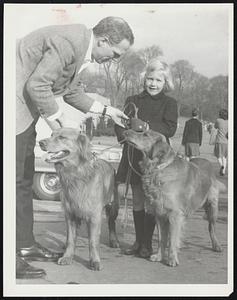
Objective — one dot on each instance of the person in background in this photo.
(221, 144)
(160, 112)
(192, 136)
(209, 127)
(48, 65)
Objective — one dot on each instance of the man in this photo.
(49, 62)
(192, 136)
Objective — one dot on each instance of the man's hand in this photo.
(116, 115)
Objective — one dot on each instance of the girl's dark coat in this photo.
(161, 113)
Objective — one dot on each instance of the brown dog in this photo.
(175, 188)
(87, 187)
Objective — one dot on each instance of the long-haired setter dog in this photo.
(174, 188)
(88, 185)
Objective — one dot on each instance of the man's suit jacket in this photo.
(47, 63)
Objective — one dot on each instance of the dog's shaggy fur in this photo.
(175, 188)
(88, 186)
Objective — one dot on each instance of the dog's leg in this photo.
(164, 224)
(158, 255)
(212, 213)
(67, 258)
(94, 229)
(162, 229)
(176, 221)
(112, 213)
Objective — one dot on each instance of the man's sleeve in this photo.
(77, 98)
(58, 54)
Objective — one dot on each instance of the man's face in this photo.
(103, 51)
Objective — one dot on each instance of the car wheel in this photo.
(46, 186)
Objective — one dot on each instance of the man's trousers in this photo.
(25, 166)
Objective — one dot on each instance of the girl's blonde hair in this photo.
(156, 64)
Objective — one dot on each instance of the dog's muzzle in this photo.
(52, 156)
(56, 156)
(136, 125)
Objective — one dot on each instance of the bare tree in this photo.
(183, 73)
(218, 90)
(146, 54)
(123, 76)
(198, 92)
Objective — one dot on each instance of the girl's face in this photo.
(154, 82)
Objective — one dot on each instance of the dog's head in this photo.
(151, 143)
(66, 144)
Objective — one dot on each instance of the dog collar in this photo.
(165, 164)
(93, 158)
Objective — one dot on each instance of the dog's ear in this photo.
(83, 145)
(161, 150)
(81, 139)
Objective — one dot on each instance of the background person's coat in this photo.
(192, 132)
(47, 63)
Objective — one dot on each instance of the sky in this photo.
(201, 33)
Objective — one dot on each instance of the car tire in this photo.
(46, 186)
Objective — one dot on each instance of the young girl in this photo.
(160, 112)
(221, 145)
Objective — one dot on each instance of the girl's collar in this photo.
(155, 97)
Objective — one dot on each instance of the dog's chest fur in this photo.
(156, 184)
(153, 186)
(78, 199)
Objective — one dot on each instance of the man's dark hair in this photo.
(195, 112)
(115, 29)
(223, 114)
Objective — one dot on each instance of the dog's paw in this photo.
(217, 248)
(65, 260)
(173, 262)
(155, 257)
(95, 265)
(113, 243)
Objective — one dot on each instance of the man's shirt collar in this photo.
(89, 51)
(88, 59)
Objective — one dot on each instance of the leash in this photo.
(125, 214)
(130, 169)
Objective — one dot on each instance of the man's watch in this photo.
(104, 111)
